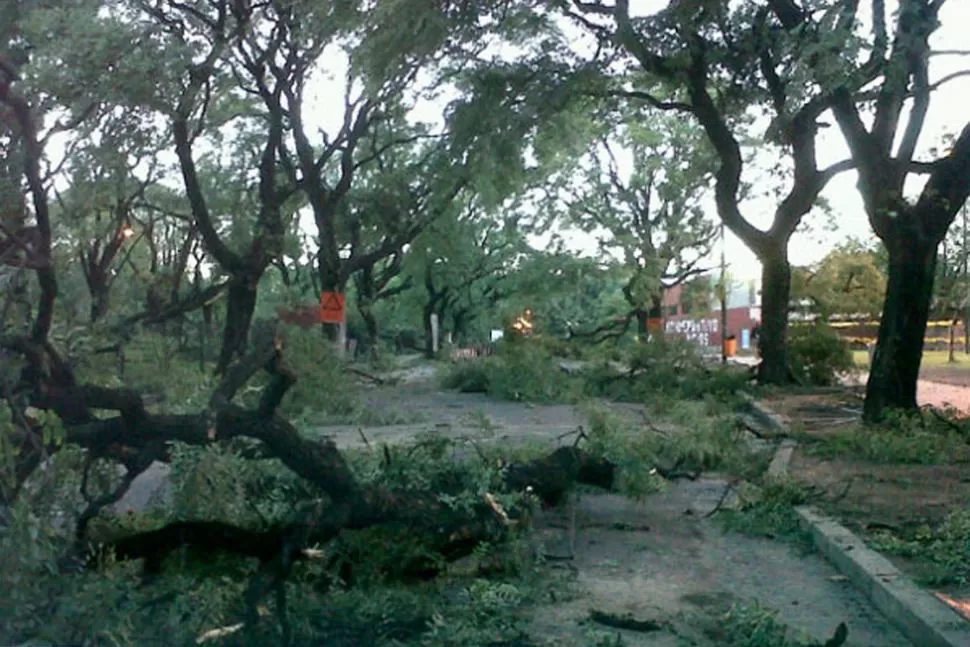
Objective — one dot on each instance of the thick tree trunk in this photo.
(894, 373)
(773, 335)
(99, 301)
(371, 328)
(240, 305)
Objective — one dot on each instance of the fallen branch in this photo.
(380, 381)
(455, 533)
(626, 621)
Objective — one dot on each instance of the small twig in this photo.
(218, 632)
(579, 432)
(845, 491)
(360, 431)
(476, 447)
(728, 488)
(356, 371)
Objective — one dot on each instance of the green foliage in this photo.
(323, 389)
(665, 370)
(818, 354)
(651, 216)
(324, 606)
(688, 439)
(770, 512)
(848, 281)
(521, 371)
(756, 626)
(917, 439)
(944, 551)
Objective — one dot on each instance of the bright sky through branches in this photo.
(947, 115)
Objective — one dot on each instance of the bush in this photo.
(818, 355)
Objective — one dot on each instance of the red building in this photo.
(704, 328)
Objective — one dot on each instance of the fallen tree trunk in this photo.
(454, 533)
(139, 437)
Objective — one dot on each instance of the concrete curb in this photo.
(765, 416)
(779, 463)
(919, 616)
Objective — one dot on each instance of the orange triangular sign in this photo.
(332, 307)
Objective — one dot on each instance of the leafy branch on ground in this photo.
(751, 625)
(943, 551)
(768, 510)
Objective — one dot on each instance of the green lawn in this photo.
(930, 358)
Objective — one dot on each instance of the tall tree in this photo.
(884, 152)
(461, 261)
(718, 60)
(650, 216)
(848, 281)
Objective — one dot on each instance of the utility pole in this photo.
(724, 298)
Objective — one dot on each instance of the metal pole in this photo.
(724, 298)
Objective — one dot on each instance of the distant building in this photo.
(679, 317)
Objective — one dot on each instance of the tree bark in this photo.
(894, 373)
(370, 327)
(99, 301)
(773, 335)
(240, 306)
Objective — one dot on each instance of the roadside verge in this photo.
(921, 617)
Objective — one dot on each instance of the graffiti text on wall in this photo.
(698, 331)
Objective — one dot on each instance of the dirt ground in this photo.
(870, 497)
(659, 559)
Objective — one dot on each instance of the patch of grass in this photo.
(934, 358)
(944, 551)
(769, 511)
(921, 439)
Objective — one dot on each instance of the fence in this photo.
(864, 333)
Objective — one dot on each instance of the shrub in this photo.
(818, 354)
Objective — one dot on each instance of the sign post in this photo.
(333, 307)
(333, 310)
